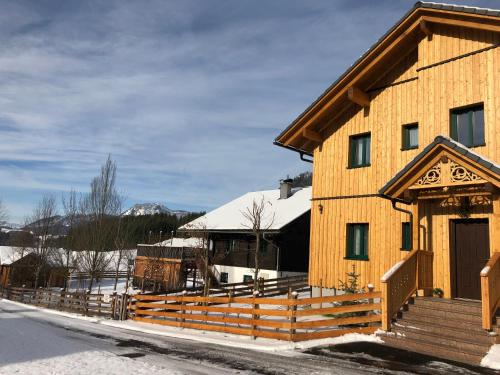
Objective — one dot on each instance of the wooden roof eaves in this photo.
(390, 40)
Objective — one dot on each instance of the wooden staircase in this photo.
(449, 329)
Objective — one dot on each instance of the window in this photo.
(406, 236)
(410, 137)
(229, 246)
(467, 126)
(224, 276)
(247, 278)
(357, 241)
(359, 151)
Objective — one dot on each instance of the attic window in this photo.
(359, 150)
(410, 137)
(467, 125)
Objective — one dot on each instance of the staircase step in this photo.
(418, 321)
(430, 349)
(473, 343)
(447, 314)
(467, 307)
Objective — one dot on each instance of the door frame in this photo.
(453, 264)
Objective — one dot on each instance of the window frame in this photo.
(352, 139)
(247, 278)
(224, 276)
(406, 236)
(405, 136)
(350, 253)
(454, 124)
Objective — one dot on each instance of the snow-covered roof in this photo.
(11, 254)
(180, 242)
(277, 214)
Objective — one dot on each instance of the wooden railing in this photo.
(291, 318)
(398, 285)
(490, 290)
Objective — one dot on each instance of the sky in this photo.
(186, 96)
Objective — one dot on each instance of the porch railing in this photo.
(402, 281)
(490, 290)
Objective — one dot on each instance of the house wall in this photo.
(427, 99)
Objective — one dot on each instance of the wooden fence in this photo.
(291, 318)
(266, 288)
(95, 304)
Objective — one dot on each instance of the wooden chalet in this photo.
(406, 181)
(284, 245)
(21, 271)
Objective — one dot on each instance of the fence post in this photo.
(293, 317)
(183, 309)
(321, 292)
(386, 318)
(86, 302)
(254, 315)
(124, 307)
(113, 305)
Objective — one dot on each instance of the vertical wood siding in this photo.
(428, 101)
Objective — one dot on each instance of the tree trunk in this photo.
(257, 251)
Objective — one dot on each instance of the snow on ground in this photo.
(28, 347)
(105, 286)
(492, 359)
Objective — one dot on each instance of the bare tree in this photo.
(201, 248)
(122, 253)
(97, 236)
(41, 223)
(259, 220)
(71, 213)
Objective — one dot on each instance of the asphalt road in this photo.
(37, 342)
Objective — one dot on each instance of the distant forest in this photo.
(302, 180)
(147, 228)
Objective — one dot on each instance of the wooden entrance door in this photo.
(470, 252)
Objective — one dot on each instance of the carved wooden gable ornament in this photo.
(443, 165)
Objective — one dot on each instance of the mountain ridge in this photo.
(142, 209)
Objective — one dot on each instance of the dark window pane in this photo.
(478, 127)
(464, 129)
(224, 276)
(467, 126)
(406, 236)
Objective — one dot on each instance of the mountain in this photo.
(142, 209)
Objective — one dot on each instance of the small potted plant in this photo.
(437, 292)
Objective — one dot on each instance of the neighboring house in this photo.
(285, 244)
(405, 147)
(19, 270)
(168, 264)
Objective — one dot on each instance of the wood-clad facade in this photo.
(429, 64)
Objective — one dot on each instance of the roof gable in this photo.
(304, 134)
(444, 162)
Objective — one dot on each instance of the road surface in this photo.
(38, 342)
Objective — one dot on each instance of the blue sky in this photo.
(187, 96)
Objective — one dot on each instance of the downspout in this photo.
(409, 213)
(277, 251)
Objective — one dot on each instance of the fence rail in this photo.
(490, 290)
(291, 318)
(95, 304)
